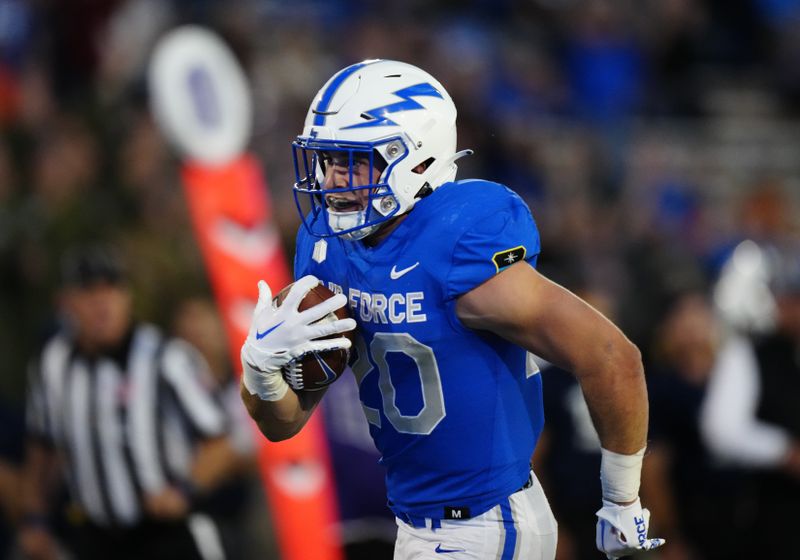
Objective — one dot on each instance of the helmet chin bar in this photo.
(358, 224)
(349, 225)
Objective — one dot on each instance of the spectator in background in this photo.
(111, 405)
(751, 414)
(692, 497)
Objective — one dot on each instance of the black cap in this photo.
(87, 265)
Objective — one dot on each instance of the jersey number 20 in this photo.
(432, 411)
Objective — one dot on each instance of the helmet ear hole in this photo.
(422, 167)
(424, 191)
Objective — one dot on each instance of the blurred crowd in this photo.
(649, 137)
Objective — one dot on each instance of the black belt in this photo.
(420, 522)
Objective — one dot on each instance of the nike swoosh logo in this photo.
(394, 274)
(440, 550)
(330, 375)
(260, 335)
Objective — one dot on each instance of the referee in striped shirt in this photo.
(128, 418)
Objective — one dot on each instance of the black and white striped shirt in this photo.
(123, 423)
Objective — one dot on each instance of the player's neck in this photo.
(383, 232)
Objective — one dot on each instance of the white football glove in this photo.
(622, 530)
(279, 335)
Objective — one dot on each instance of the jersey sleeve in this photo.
(494, 239)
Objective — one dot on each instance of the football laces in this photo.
(293, 373)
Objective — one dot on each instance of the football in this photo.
(316, 370)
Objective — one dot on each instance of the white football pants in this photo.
(522, 527)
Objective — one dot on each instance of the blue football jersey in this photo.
(452, 410)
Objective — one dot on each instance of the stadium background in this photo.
(648, 137)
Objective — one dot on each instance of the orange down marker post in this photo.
(231, 215)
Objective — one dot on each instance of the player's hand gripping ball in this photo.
(316, 370)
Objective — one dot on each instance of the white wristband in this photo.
(267, 386)
(620, 475)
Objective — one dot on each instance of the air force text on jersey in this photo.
(378, 308)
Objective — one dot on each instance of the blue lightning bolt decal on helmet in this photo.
(376, 111)
(408, 104)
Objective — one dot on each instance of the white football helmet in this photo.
(391, 113)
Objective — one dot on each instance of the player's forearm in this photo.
(526, 308)
(610, 372)
(608, 366)
(548, 320)
(615, 391)
(282, 419)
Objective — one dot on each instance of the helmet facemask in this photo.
(317, 204)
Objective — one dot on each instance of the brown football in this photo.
(316, 370)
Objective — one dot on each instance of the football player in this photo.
(441, 282)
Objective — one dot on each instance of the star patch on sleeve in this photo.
(504, 259)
